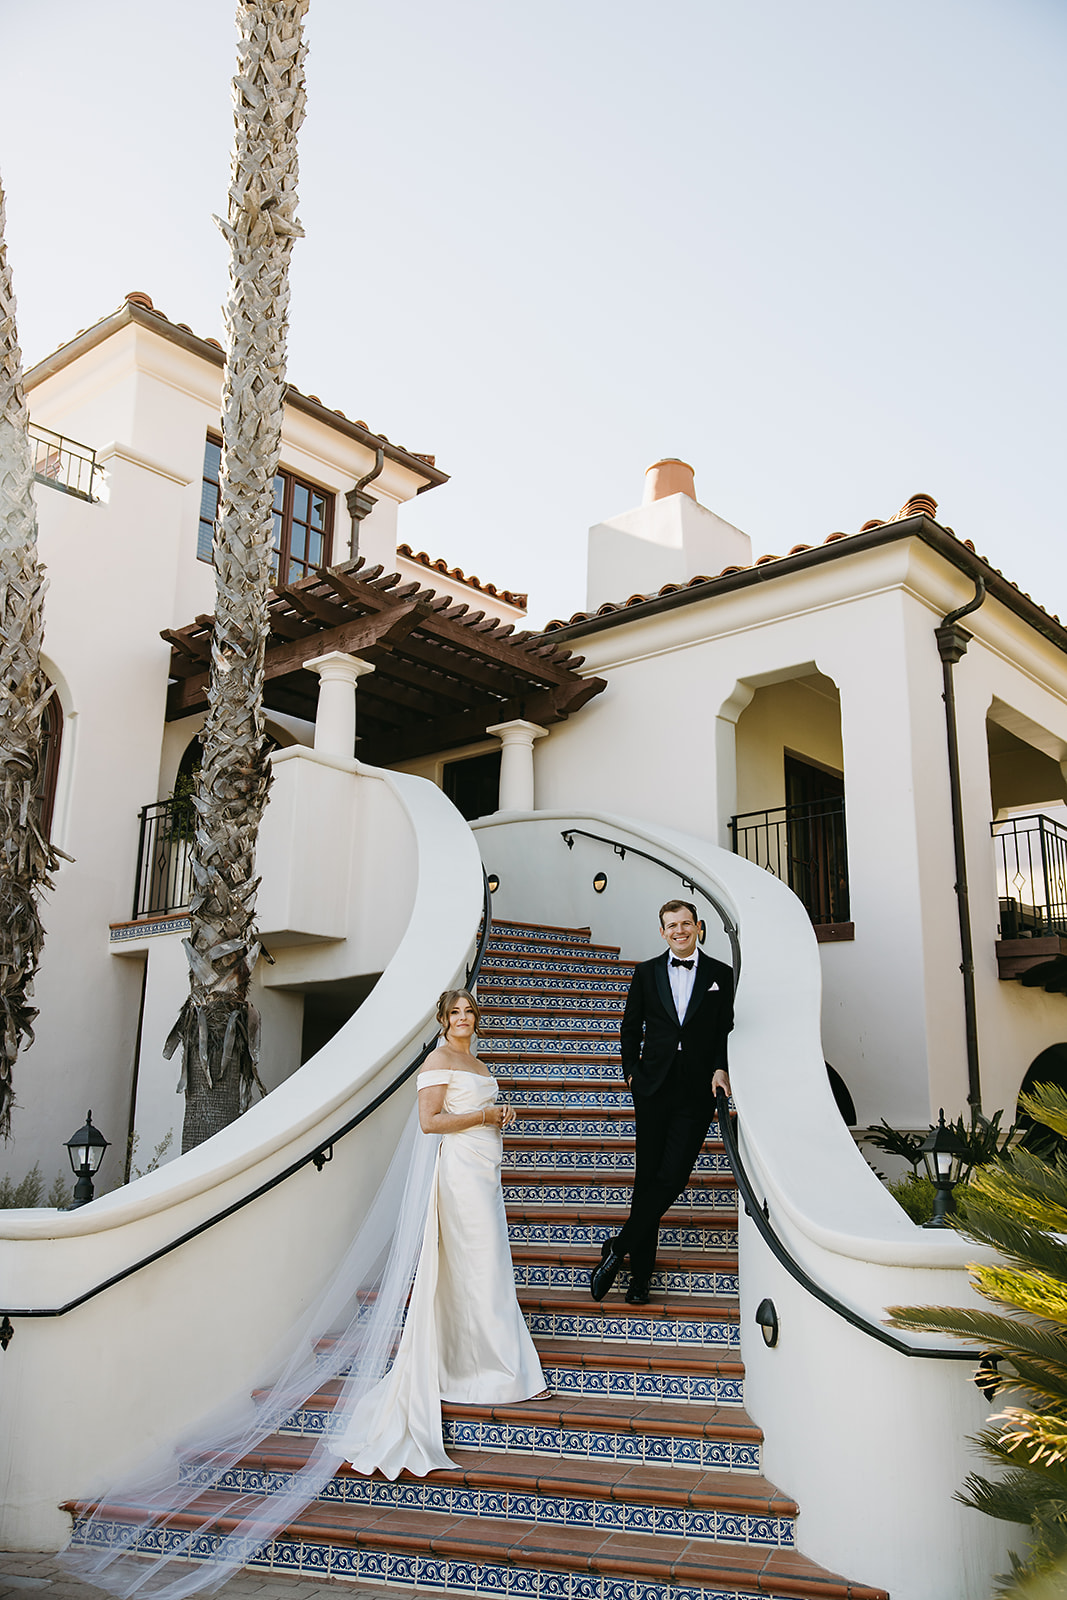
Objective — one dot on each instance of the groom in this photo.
(679, 1011)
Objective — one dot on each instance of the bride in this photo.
(436, 1228)
(464, 1337)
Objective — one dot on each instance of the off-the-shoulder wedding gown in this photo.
(464, 1338)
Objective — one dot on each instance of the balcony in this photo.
(164, 858)
(63, 464)
(803, 845)
(1031, 861)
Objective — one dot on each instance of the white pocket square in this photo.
(712, 987)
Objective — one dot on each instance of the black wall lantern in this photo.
(767, 1321)
(600, 882)
(86, 1150)
(942, 1152)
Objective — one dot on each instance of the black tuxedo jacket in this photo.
(653, 1039)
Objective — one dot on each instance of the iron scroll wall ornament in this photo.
(760, 1214)
(322, 1153)
(568, 835)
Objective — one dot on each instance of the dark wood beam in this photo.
(502, 651)
(468, 668)
(382, 629)
(545, 707)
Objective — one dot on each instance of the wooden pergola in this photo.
(442, 672)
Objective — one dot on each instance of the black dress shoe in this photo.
(603, 1276)
(637, 1294)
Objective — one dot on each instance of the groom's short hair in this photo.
(678, 905)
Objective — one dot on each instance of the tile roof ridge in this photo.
(509, 596)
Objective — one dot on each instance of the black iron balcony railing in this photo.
(1031, 876)
(164, 857)
(62, 463)
(804, 845)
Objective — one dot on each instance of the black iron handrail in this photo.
(322, 1153)
(568, 835)
(62, 463)
(759, 1214)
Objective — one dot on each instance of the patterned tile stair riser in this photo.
(641, 1479)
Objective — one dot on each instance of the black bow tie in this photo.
(688, 965)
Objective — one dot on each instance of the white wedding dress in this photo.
(464, 1337)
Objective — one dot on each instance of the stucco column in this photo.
(335, 717)
(516, 763)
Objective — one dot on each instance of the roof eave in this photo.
(922, 527)
(157, 323)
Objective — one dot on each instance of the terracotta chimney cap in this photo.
(669, 476)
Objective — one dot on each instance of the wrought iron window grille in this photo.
(1031, 861)
(805, 846)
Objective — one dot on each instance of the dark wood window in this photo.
(815, 824)
(473, 784)
(51, 739)
(303, 519)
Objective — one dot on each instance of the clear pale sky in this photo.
(816, 249)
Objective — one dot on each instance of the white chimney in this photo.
(669, 538)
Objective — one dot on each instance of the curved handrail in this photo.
(568, 835)
(782, 1254)
(322, 1153)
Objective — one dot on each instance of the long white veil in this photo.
(167, 1544)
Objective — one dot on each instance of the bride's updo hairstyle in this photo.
(448, 1000)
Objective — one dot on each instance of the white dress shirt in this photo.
(682, 980)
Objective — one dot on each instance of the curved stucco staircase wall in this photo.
(86, 1396)
(873, 1444)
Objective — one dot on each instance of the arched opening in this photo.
(791, 792)
(51, 741)
(1049, 1067)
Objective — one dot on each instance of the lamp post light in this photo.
(942, 1152)
(86, 1150)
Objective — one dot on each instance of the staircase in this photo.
(640, 1479)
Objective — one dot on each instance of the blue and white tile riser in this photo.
(530, 1505)
(548, 1026)
(593, 1159)
(574, 1279)
(680, 1331)
(587, 1069)
(497, 1009)
(590, 1235)
(432, 1574)
(666, 1388)
(516, 982)
(523, 930)
(697, 1200)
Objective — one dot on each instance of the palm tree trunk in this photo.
(218, 1027)
(27, 860)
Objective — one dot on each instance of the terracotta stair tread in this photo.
(583, 1412)
(551, 1175)
(554, 1477)
(710, 1307)
(611, 1217)
(653, 1358)
(668, 1560)
(668, 1258)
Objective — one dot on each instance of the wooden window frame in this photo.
(291, 483)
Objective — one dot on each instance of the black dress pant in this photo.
(671, 1126)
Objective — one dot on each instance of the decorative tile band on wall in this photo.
(147, 930)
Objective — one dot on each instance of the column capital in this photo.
(517, 732)
(338, 667)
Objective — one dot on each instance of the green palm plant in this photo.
(1018, 1205)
